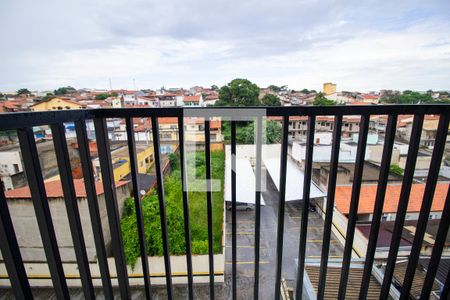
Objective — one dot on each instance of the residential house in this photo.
(368, 98)
(11, 168)
(23, 217)
(56, 104)
(367, 201)
(121, 161)
(189, 101)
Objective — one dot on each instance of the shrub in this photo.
(174, 213)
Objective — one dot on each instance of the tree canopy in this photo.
(270, 100)
(306, 91)
(407, 97)
(274, 88)
(239, 92)
(245, 132)
(23, 92)
(320, 99)
(64, 90)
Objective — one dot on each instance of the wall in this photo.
(7, 161)
(54, 103)
(27, 230)
(339, 228)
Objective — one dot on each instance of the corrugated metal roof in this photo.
(333, 280)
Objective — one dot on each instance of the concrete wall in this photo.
(339, 228)
(27, 230)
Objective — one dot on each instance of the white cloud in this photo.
(183, 43)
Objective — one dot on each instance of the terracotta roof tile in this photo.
(195, 98)
(368, 192)
(54, 189)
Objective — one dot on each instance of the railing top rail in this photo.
(25, 119)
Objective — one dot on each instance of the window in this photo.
(16, 168)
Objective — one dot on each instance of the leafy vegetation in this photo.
(270, 100)
(320, 99)
(306, 91)
(64, 90)
(23, 92)
(396, 169)
(174, 211)
(104, 96)
(245, 132)
(239, 92)
(407, 97)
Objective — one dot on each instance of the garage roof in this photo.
(245, 182)
(294, 179)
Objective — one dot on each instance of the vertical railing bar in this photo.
(356, 188)
(379, 202)
(41, 206)
(408, 177)
(138, 206)
(233, 211)
(330, 205)
(258, 143)
(187, 226)
(281, 208)
(438, 247)
(209, 207)
(428, 195)
(162, 206)
(11, 253)
(71, 203)
(305, 212)
(94, 211)
(104, 154)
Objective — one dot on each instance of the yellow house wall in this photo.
(124, 169)
(329, 88)
(55, 102)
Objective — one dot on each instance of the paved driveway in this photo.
(269, 221)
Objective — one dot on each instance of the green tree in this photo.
(274, 88)
(245, 132)
(270, 100)
(408, 97)
(320, 99)
(23, 92)
(239, 92)
(411, 97)
(102, 96)
(214, 87)
(64, 90)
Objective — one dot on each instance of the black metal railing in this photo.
(24, 122)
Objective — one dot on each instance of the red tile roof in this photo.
(372, 97)
(368, 192)
(54, 189)
(195, 98)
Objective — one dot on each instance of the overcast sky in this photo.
(360, 46)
